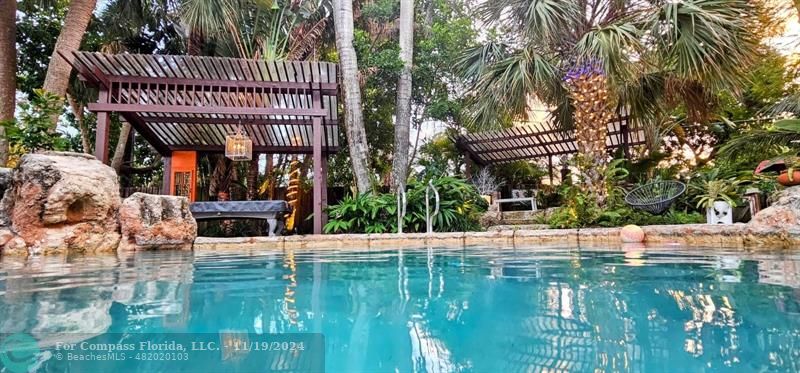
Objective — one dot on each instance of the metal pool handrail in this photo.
(401, 207)
(428, 216)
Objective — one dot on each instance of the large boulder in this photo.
(783, 215)
(60, 202)
(156, 222)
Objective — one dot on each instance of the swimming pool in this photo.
(477, 309)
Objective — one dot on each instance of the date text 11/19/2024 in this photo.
(173, 346)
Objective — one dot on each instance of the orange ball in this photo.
(631, 234)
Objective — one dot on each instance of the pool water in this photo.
(436, 310)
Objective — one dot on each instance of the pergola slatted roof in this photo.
(540, 140)
(193, 102)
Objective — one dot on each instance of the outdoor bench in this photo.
(273, 212)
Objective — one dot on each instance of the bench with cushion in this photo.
(271, 211)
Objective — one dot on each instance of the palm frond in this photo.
(506, 86)
(210, 17)
(613, 46)
(705, 40)
(760, 141)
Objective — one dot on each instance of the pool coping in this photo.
(701, 235)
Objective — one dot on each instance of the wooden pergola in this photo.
(187, 104)
(540, 141)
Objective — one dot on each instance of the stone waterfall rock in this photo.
(784, 214)
(59, 202)
(779, 224)
(156, 222)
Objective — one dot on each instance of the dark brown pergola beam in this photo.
(524, 157)
(217, 84)
(253, 121)
(259, 149)
(142, 129)
(503, 142)
(223, 110)
(533, 134)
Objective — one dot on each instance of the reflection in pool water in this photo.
(438, 310)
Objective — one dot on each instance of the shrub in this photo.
(32, 132)
(460, 208)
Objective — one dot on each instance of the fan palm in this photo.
(589, 58)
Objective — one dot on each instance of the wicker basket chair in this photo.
(655, 197)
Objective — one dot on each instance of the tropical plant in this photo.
(459, 210)
(32, 131)
(713, 186)
(588, 58)
(767, 141)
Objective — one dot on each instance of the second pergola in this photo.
(540, 141)
(183, 105)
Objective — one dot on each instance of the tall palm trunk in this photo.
(122, 142)
(354, 119)
(8, 70)
(404, 84)
(77, 109)
(75, 24)
(589, 93)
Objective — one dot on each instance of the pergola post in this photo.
(324, 188)
(103, 128)
(166, 186)
(319, 168)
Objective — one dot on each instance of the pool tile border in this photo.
(704, 235)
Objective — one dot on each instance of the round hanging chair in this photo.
(656, 197)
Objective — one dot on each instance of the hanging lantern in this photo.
(239, 147)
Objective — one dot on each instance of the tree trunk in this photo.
(252, 177)
(592, 113)
(78, 16)
(77, 109)
(404, 84)
(119, 152)
(8, 70)
(354, 119)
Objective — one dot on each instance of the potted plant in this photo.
(718, 197)
(787, 166)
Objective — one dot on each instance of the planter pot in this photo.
(783, 178)
(721, 213)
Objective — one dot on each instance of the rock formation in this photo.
(784, 214)
(60, 203)
(156, 222)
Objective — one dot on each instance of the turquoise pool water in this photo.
(433, 310)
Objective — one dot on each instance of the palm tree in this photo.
(354, 119)
(8, 70)
(588, 59)
(402, 123)
(75, 23)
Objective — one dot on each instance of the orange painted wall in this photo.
(185, 161)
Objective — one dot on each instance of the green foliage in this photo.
(581, 210)
(364, 213)
(520, 174)
(38, 27)
(711, 186)
(460, 209)
(31, 132)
